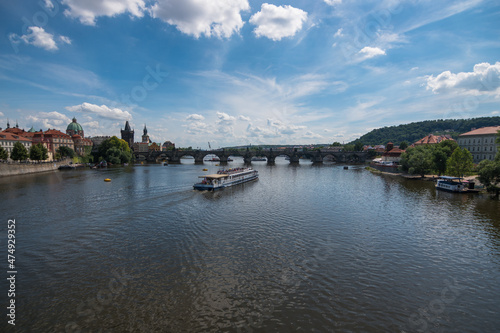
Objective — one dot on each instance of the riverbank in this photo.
(21, 168)
(473, 178)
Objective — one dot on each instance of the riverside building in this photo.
(480, 142)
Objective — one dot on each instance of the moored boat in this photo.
(212, 158)
(226, 178)
(258, 158)
(451, 184)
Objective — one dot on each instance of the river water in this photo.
(304, 249)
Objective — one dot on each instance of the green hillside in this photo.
(416, 131)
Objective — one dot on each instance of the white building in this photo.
(480, 142)
(7, 141)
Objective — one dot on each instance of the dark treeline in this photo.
(415, 131)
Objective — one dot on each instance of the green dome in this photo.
(74, 126)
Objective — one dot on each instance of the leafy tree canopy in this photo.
(38, 152)
(460, 163)
(115, 151)
(3, 154)
(64, 151)
(417, 160)
(19, 152)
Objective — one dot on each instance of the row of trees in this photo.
(113, 150)
(445, 157)
(37, 152)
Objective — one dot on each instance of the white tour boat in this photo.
(451, 184)
(226, 178)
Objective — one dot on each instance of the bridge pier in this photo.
(317, 159)
(294, 159)
(174, 160)
(271, 160)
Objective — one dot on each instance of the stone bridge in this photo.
(316, 156)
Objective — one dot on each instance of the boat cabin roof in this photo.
(450, 178)
(214, 176)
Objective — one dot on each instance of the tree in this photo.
(19, 152)
(403, 145)
(3, 154)
(489, 175)
(38, 152)
(449, 146)
(115, 150)
(348, 148)
(64, 151)
(460, 163)
(439, 159)
(358, 146)
(336, 144)
(417, 160)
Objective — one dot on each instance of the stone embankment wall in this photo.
(13, 168)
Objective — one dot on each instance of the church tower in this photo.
(128, 135)
(145, 136)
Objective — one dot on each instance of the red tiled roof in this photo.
(14, 130)
(10, 136)
(54, 132)
(394, 152)
(483, 131)
(432, 139)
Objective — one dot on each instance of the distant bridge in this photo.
(294, 154)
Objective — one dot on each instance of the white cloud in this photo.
(368, 52)
(103, 111)
(38, 37)
(87, 10)
(311, 135)
(225, 118)
(49, 4)
(195, 117)
(339, 33)
(333, 2)
(65, 39)
(197, 127)
(220, 18)
(283, 129)
(276, 22)
(225, 123)
(91, 124)
(484, 79)
(47, 120)
(244, 118)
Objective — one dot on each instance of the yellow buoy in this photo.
(205, 169)
(107, 180)
(216, 165)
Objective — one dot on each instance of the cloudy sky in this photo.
(238, 72)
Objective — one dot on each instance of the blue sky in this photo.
(237, 72)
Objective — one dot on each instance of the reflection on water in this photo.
(304, 248)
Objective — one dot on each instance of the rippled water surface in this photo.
(305, 248)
